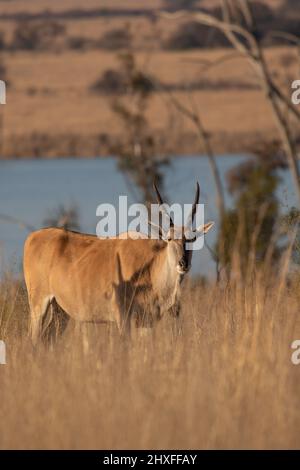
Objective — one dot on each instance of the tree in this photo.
(247, 228)
(138, 150)
(238, 24)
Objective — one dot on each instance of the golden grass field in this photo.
(50, 97)
(51, 111)
(220, 379)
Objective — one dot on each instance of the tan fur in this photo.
(116, 279)
(78, 271)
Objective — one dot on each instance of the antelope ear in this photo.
(204, 228)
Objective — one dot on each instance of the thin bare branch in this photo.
(174, 15)
(251, 48)
(247, 13)
(207, 65)
(286, 101)
(20, 223)
(193, 115)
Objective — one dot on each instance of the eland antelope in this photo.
(106, 280)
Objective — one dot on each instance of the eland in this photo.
(123, 280)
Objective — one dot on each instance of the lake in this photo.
(29, 189)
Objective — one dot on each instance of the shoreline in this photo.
(47, 146)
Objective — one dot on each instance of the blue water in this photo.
(29, 189)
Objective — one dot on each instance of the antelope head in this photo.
(179, 238)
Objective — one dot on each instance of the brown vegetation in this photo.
(222, 379)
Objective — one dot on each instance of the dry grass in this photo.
(223, 380)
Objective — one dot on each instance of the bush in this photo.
(262, 12)
(253, 185)
(2, 41)
(192, 34)
(118, 82)
(79, 43)
(112, 81)
(119, 38)
(180, 4)
(268, 19)
(288, 25)
(289, 5)
(29, 35)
